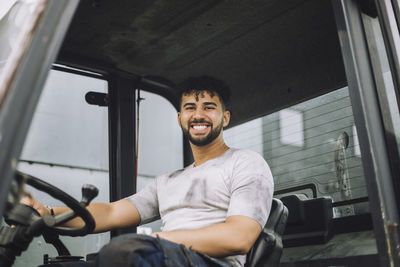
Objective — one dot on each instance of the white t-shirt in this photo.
(239, 182)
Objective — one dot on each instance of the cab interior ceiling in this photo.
(272, 53)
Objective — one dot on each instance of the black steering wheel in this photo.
(77, 208)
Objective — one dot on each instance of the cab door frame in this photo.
(380, 174)
(24, 78)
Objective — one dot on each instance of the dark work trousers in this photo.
(145, 251)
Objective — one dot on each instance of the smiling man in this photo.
(212, 211)
(218, 205)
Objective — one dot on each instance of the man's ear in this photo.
(227, 118)
(179, 119)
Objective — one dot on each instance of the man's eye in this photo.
(208, 108)
(189, 108)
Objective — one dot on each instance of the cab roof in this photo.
(271, 53)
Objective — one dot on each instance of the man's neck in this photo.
(202, 154)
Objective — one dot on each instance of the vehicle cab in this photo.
(88, 95)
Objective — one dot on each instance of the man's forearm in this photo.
(214, 241)
(219, 240)
(99, 212)
(107, 216)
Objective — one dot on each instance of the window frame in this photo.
(382, 192)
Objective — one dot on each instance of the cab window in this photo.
(312, 148)
(67, 146)
(160, 144)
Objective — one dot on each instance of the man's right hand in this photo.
(30, 201)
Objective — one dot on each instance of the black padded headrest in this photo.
(296, 206)
(309, 222)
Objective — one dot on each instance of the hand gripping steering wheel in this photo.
(89, 192)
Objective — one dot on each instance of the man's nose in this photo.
(198, 113)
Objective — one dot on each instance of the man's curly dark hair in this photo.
(209, 84)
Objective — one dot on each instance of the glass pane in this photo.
(65, 129)
(67, 146)
(312, 143)
(160, 144)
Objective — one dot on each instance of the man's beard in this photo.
(202, 141)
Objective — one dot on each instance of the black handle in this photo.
(89, 192)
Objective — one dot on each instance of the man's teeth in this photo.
(199, 127)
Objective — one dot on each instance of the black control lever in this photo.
(89, 192)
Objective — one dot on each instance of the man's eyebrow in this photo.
(210, 103)
(189, 104)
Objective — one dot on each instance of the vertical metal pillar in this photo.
(390, 22)
(370, 128)
(122, 137)
(24, 79)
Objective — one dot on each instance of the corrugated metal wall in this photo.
(304, 145)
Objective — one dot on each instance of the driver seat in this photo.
(267, 249)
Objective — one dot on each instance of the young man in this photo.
(212, 211)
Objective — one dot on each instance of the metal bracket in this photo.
(95, 98)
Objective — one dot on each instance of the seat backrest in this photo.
(267, 249)
(310, 220)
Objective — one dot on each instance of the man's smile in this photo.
(199, 128)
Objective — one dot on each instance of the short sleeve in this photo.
(251, 187)
(146, 202)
